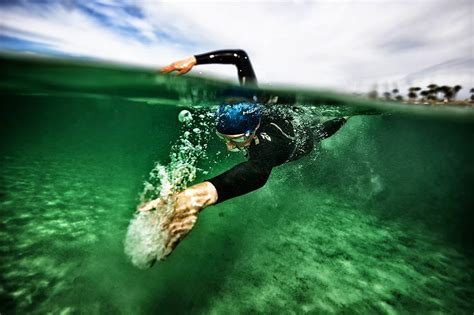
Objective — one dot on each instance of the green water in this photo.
(378, 220)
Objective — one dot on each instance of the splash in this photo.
(306, 120)
(146, 239)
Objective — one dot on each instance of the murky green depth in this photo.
(379, 220)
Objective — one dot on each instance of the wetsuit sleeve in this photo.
(236, 57)
(241, 179)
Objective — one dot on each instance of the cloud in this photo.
(347, 45)
(77, 33)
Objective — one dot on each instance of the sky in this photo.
(340, 44)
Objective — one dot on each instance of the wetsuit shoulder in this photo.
(237, 57)
(274, 142)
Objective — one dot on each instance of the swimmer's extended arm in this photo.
(241, 179)
(237, 57)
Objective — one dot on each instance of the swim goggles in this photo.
(235, 139)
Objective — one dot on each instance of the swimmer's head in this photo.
(237, 123)
(238, 118)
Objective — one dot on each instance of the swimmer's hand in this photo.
(182, 66)
(187, 205)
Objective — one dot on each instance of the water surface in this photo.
(378, 220)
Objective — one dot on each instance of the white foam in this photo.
(146, 239)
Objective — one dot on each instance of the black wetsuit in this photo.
(279, 139)
(236, 57)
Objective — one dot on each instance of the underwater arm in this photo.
(186, 205)
(241, 179)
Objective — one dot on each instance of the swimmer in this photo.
(268, 139)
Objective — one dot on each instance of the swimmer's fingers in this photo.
(186, 224)
(184, 70)
(178, 231)
(150, 205)
(174, 241)
(168, 69)
(182, 66)
(171, 245)
(183, 214)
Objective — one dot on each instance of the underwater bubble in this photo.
(185, 116)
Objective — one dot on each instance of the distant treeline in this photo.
(433, 93)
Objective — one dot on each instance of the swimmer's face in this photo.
(236, 147)
(236, 143)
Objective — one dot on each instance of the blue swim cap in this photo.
(233, 119)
